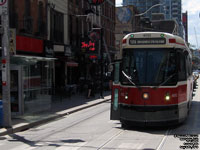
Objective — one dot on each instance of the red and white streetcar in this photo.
(153, 81)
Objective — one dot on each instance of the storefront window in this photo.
(37, 81)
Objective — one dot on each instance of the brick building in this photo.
(83, 18)
(32, 71)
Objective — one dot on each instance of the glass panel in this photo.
(37, 81)
(116, 73)
(14, 87)
(115, 106)
(149, 66)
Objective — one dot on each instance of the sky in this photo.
(193, 9)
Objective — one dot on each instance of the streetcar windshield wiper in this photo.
(129, 79)
(165, 81)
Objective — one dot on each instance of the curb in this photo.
(25, 126)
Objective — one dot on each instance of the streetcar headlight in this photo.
(145, 95)
(167, 97)
(126, 96)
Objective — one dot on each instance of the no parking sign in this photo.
(2, 2)
(3, 5)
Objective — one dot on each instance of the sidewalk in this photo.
(58, 109)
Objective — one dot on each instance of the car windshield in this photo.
(149, 66)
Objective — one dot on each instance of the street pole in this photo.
(5, 68)
(101, 59)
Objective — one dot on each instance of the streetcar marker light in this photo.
(132, 35)
(124, 41)
(172, 40)
(162, 35)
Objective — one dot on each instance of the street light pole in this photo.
(148, 9)
(6, 66)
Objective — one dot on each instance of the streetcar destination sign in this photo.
(142, 41)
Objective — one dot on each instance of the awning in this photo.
(72, 64)
(24, 60)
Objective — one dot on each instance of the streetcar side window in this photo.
(189, 66)
(116, 72)
(182, 67)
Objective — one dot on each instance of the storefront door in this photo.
(16, 90)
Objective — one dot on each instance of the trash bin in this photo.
(1, 113)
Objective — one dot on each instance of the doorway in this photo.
(16, 90)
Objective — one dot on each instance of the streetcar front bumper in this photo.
(153, 115)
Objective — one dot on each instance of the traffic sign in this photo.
(3, 6)
(2, 2)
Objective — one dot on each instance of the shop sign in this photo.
(59, 48)
(88, 46)
(48, 48)
(93, 56)
(28, 44)
(68, 51)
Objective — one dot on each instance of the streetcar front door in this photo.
(115, 109)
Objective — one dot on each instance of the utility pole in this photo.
(5, 68)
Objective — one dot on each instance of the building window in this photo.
(57, 26)
(77, 2)
(27, 21)
(41, 23)
(13, 17)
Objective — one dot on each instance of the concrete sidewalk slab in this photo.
(29, 121)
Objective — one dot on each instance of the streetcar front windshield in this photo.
(149, 66)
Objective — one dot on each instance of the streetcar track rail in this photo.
(164, 139)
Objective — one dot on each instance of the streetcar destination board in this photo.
(142, 41)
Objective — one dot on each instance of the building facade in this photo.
(84, 21)
(126, 22)
(185, 24)
(172, 10)
(143, 5)
(32, 68)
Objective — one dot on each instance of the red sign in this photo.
(95, 2)
(28, 44)
(93, 57)
(89, 45)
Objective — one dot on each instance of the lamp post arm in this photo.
(148, 10)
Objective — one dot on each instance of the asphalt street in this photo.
(92, 129)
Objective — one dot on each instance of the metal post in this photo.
(6, 66)
(101, 63)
